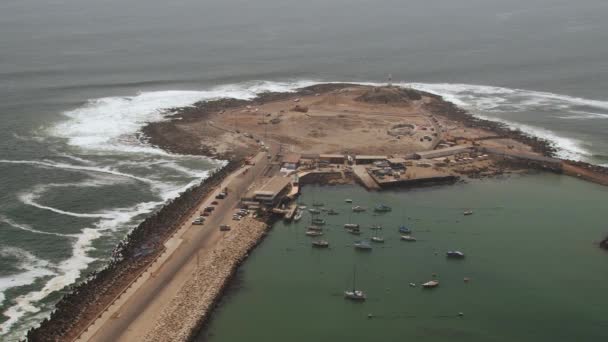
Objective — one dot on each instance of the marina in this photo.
(393, 274)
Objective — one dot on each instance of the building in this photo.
(291, 161)
(271, 193)
(396, 163)
(444, 152)
(332, 158)
(363, 159)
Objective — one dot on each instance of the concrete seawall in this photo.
(192, 306)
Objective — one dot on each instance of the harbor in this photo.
(492, 284)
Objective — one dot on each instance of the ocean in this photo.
(78, 79)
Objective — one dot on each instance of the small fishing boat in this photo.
(362, 245)
(358, 209)
(381, 208)
(468, 212)
(320, 244)
(430, 284)
(455, 254)
(302, 207)
(312, 227)
(375, 227)
(351, 225)
(297, 216)
(412, 284)
(348, 200)
(354, 231)
(318, 221)
(404, 230)
(377, 239)
(354, 294)
(317, 204)
(332, 212)
(314, 211)
(408, 238)
(313, 233)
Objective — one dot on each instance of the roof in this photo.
(274, 186)
(329, 156)
(292, 158)
(370, 157)
(396, 160)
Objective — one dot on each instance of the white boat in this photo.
(354, 231)
(358, 209)
(302, 207)
(351, 225)
(377, 239)
(468, 212)
(430, 284)
(362, 245)
(297, 216)
(348, 200)
(320, 244)
(408, 238)
(375, 227)
(314, 233)
(312, 227)
(355, 294)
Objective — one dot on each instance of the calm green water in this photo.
(535, 272)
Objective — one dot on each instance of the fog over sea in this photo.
(79, 78)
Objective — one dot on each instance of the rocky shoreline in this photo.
(85, 300)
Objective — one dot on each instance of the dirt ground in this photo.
(356, 119)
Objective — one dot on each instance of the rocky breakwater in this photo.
(87, 300)
(194, 302)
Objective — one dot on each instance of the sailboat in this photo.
(354, 294)
(362, 245)
(376, 238)
(298, 215)
(320, 244)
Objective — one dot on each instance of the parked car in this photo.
(221, 195)
(209, 209)
(198, 221)
(215, 203)
(206, 213)
(224, 228)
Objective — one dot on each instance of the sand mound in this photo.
(389, 95)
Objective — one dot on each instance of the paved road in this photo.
(130, 319)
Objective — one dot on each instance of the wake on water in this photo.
(93, 129)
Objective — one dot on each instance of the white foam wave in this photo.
(27, 228)
(109, 124)
(482, 100)
(72, 167)
(583, 115)
(31, 268)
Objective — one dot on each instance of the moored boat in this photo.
(332, 212)
(314, 211)
(348, 200)
(404, 230)
(317, 204)
(314, 233)
(408, 238)
(313, 227)
(358, 209)
(455, 254)
(318, 221)
(351, 225)
(430, 284)
(375, 227)
(377, 239)
(468, 212)
(381, 208)
(354, 231)
(297, 216)
(320, 244)
(354, 294)
(362, 245)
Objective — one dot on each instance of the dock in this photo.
(361, 174)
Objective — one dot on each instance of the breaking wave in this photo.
(488, 102)
(110, 124)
